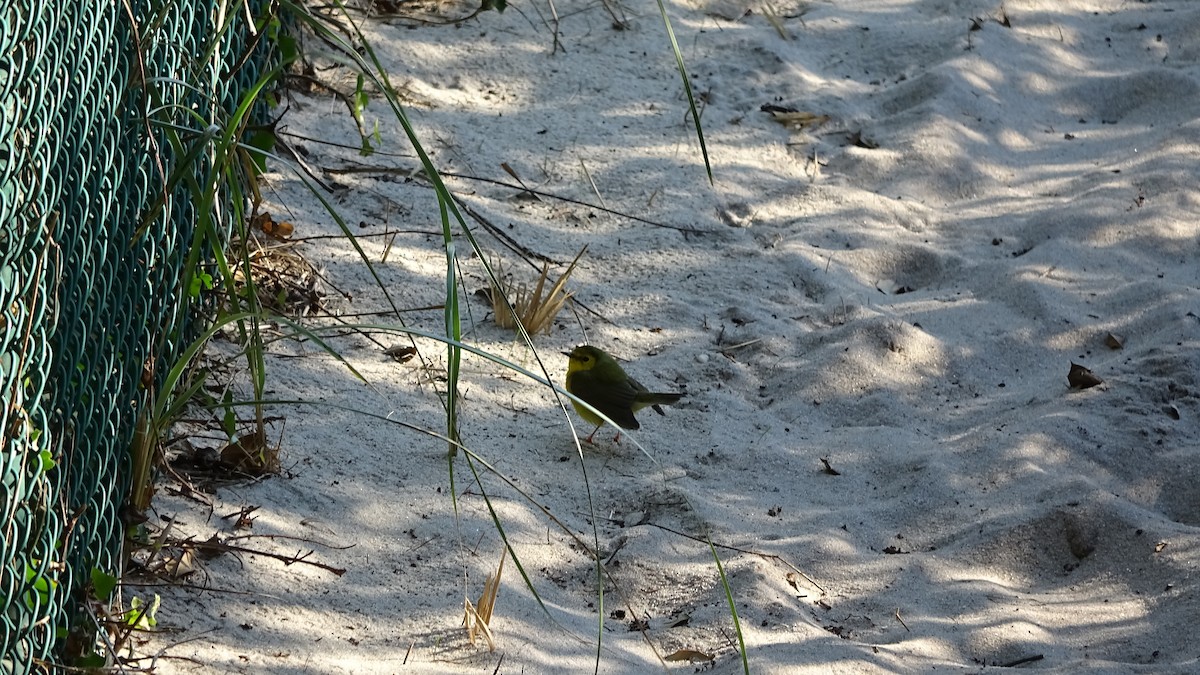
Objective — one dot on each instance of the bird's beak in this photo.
(566, 354)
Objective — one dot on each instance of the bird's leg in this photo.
(589, 438)
(617, 438)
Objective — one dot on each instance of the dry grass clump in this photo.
(535, 307)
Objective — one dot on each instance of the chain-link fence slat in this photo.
(88, 295)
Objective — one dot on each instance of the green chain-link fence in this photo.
(91, 259)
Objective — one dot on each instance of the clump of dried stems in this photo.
(535, 307)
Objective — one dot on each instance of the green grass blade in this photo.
(687, 88)
(737, 624)
(175, 374)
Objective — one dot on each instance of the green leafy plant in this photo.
(42, 588)
(103, 584)
(141, 614)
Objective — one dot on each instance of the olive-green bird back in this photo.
(597, 378)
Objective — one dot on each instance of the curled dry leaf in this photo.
(180, 563)
(689, 655)
(829, 468)
(401, 353)
(1114, 341)
(792, 118)
(251, 455)
(280, 229)
(1082, 378)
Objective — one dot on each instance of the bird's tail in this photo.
(657, 400)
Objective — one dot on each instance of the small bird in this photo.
(597, 378)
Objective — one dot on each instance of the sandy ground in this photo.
(899, 291)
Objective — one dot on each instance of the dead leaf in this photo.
(689, 655)
(181, 564)
(250, 454)
(829, 469)
(792, 118)
(1114, 341)
(212, 547)
(243, 518)
(278, 229)
(401, 353)
(1082, 378)
(284, 280)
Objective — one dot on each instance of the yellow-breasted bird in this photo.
(597, 378)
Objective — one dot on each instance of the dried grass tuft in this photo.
(535, 310)
(478, 617)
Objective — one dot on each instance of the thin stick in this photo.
(509, 243)
(1021, 662)
(389, 233)
(554, 13)
(509, 170)
(768, 556)
(619, 22)
(726, 350)
(382, 312)
(539, 193)
(568, 200)
(773, 18)
(591, 182)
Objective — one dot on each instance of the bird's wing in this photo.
(637, 387)
(618, 403)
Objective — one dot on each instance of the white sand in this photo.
(1034, 188)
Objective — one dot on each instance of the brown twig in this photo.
(215, 546)
(577, 202)
(1022, 661)
(730, 348)
(765, 556)
(512, 172)
(509, 243)
(367, 235)
(417, 173)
